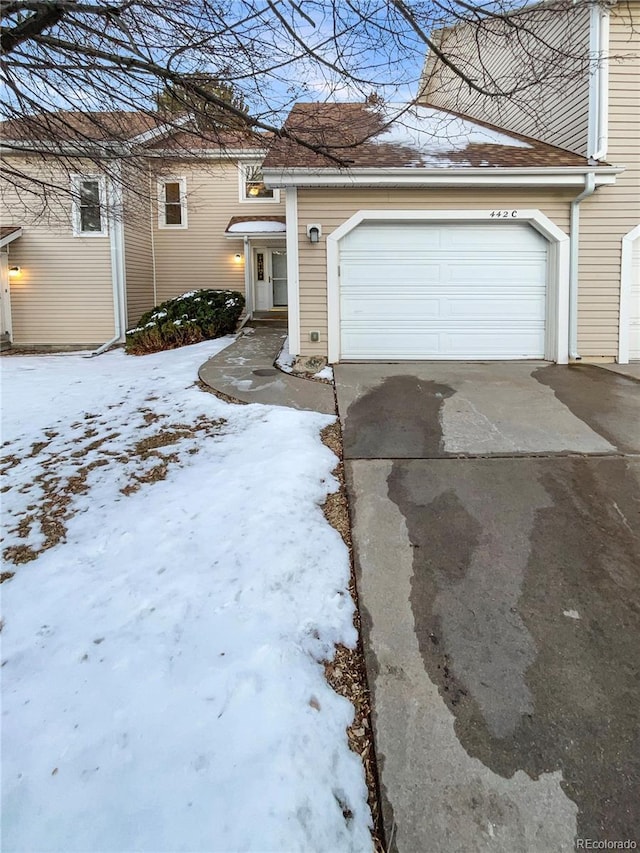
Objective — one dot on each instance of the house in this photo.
(118, 236)
(450, 228)
(470, 228)
(592, 109)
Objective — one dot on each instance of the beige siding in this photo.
(541, 55)
(138, 252)
(613, 211)
(64, 294)
(200, 255)
(332, 207)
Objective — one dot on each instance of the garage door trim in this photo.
(626, 272)
(557, 327)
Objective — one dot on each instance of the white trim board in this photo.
(626, 269)
(557, 324)
(293, 296)
(569, 176)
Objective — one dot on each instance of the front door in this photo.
(270, 278)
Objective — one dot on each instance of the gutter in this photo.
(574, 258)
(567, 176)
(116, 240)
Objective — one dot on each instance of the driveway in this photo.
(497, 537)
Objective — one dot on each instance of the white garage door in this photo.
(443, 291)
(634, 314)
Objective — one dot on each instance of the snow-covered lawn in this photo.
(162, 680)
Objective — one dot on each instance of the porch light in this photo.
(314, 230)
(14, 271)
(237, 257)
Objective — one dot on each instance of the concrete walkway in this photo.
(245, 372)
(631, 370)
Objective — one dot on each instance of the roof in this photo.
(69, 126)
(193, 141)
(9, 233)
(239, 226)
(152, 130)
(404, 136)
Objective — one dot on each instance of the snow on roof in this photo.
(433, 133)
(255, 227)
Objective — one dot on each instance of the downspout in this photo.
(153, 239)
(116, 240)
(574, 258)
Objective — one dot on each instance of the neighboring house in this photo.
(194, 214)
(592, 108)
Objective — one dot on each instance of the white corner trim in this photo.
(599, 49)
(557, 322)
(626, 269)
(118, 270)
(293, 287)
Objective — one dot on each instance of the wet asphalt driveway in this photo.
(496, 512)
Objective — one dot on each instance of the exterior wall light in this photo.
(15, 271)
(237, 257)
(314, 230)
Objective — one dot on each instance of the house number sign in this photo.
(503, 214)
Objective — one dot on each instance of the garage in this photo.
(448, 290)
(634, 313)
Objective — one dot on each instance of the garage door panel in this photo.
(420, 343)
(483, 297)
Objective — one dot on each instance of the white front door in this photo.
(270, 278)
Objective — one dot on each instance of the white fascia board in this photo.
(257, 235)
(569, 176)
(207, 153)
(10, 238)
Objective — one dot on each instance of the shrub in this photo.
(195, 316)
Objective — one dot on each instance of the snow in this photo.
(285, 360)
(325, 373)
(433, 134)
(251, 227)
(162, 680)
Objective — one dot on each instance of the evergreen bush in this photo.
(198, 315)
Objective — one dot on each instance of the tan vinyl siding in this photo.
(138, 252)
(552, 64)
(332, 207)
(200, 255)
(612, 211)
(64, 294)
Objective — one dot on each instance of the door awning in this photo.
(256, 226)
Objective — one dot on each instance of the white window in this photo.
(89, 205)
(252, 186)
(172, 203)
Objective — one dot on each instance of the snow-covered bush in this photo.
(192, 317)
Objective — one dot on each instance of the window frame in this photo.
(243, 168)
(76, 189)
(161, 201)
